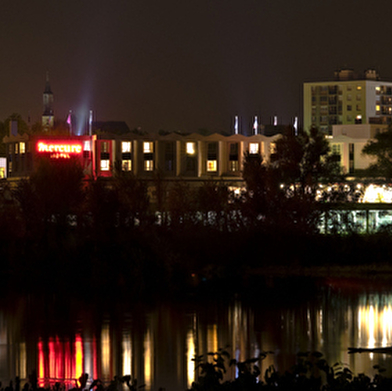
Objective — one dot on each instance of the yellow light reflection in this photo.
(41, 364)
(375, 324)
(148, 362)
(212, 339)
(105, 348)
(78, 356)
(190, 342)
(127, 354)
(22, 361)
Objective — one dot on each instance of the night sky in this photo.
(183, 65)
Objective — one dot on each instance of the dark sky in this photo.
(185, 64)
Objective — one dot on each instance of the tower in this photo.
(47, 116)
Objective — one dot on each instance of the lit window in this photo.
(254, 148)
(148, 165)
(233, 165)
(22, 147)
(87, 146)
(16, 147)
(104, 147)
(126, 146)
(190, 148)
(336, 149)
(211, 165)
(272, 148)
(2, 172)
(359, 116)
(127, 165)
(105, 165)
(378, 90)
(147, 147)
(359, 88)
(378, 108)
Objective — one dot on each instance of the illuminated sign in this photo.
(59, 149)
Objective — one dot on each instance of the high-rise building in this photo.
(48, 115)
(348, 99)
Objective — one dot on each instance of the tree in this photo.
(22, 125)
(304, 161)
(380, 148)
(282, 192)
(58, 189)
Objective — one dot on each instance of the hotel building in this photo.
(192, 157)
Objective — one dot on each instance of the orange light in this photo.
(41, 364)
(59, 149)
(78, 357)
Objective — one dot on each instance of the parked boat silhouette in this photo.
(384, 350)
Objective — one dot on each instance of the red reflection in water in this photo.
(60, 361)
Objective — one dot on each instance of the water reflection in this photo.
(157, 347)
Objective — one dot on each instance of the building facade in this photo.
(349, 99)
(193, 157)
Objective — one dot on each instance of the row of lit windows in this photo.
(190, 147)
(18, 148)
(333, 90)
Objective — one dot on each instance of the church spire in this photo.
(47, 116)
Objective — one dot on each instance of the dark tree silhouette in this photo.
(381, 150)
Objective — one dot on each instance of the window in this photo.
(359, 108)
(169, 156)
(336, 149)
(105, 165)
(126, 147)
(16, 148)
(253, 148)
(190, 148)
(272, 148)
(104, 147)
(148, 165)
(359, 88)
(211, 165)
(127, 165)
(378, 90)
(87, 146)
(349, 97)
(22, 147)
(233, 165)
(148, 147)
(349, 108)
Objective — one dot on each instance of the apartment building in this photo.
(347, 100)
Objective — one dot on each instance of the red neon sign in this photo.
(59, 149)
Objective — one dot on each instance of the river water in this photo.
(156, 343)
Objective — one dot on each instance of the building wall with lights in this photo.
(348, 141)
(193, 157)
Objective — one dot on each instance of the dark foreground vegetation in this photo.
(310, 373)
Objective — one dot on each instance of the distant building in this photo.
(48, 113)
(194, 157)
(347, 100)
